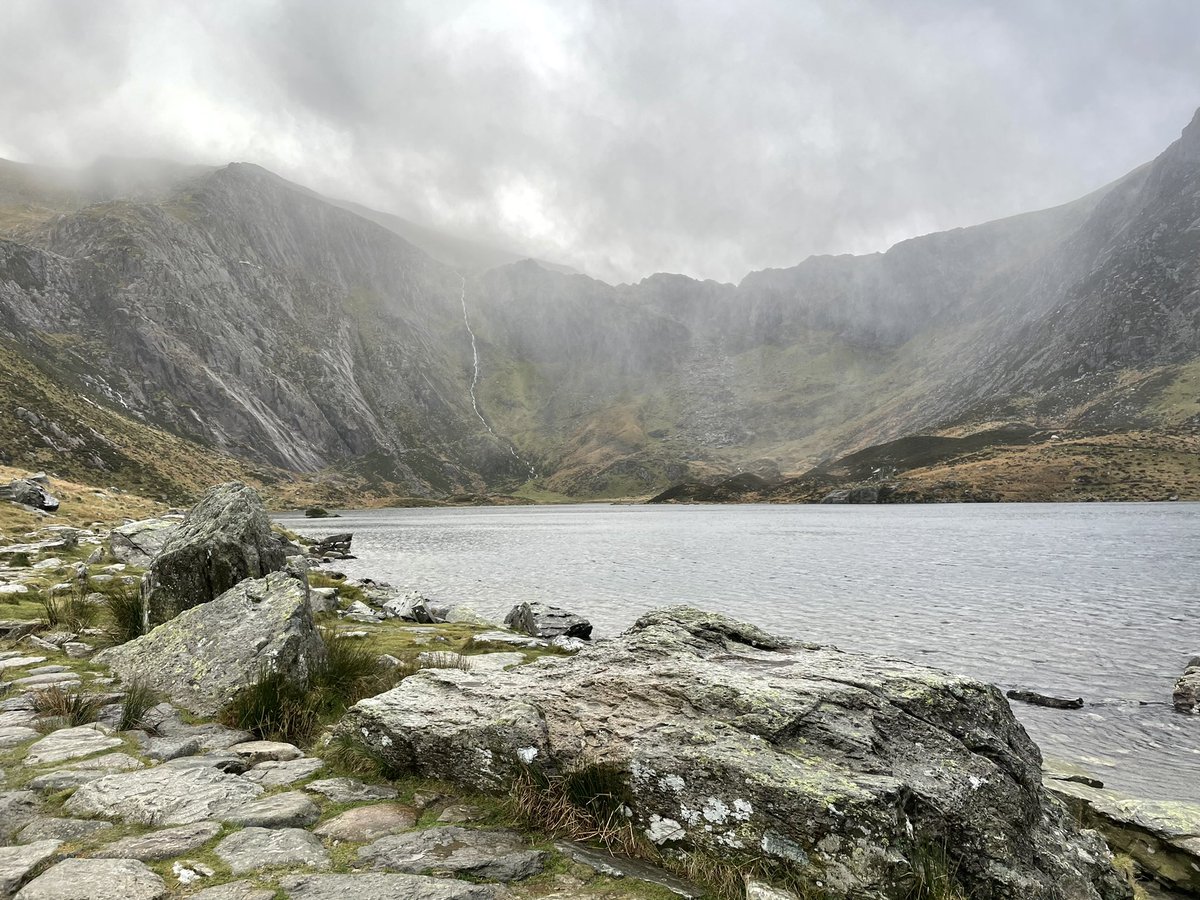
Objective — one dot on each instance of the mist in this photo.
(621, 138)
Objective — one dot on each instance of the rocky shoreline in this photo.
(197, 705)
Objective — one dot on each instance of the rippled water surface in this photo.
(1097, 600)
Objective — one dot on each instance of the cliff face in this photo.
(247, 315)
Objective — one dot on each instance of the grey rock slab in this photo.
(17, 862)
(163, 844)
(273, 773)
(57, 829)
(494, 855)
(384, 887)
(49, 670)
(261, 751)
(11, 735)
(224, 539)
(257, 848)
(18, 717)
(720, 734)
(62, 679)
(237, 890)
(165, 795)
(169, 747)
(756, 890)
(78, 649)
(71, 743)
(204, 656)
(20, 662)
(96, 879)
(350, 790)
(367, 823)
(290, 809)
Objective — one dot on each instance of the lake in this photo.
(1094, 600)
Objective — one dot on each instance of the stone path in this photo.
(196, 810)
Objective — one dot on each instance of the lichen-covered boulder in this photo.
(137, 543)
(847, 769)
(224, 539)
(203, 656)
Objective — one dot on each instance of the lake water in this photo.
(1094, 600)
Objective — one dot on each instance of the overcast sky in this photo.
(622, 136)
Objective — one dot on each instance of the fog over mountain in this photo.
(623, 138)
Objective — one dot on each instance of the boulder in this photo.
(17, 862)
(204, 656)
(29, 493)
(716, 736)
(542, 621)
(414, 607)
(256, 848)
(137, 543)
(350, 790)
(366, 823)
(224, 539)
(162, 844)
(1187, 689)
(336, 546)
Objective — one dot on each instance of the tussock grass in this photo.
(72, 612)
(275, 707)
(69, 707)
(126, 613)
(139, 698)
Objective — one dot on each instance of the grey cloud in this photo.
(625, 137)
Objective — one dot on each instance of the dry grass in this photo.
(68, 707)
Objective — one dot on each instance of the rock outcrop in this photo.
(203, 656)
(224, 539)
(1186, 696)
(1162, 837)
(543, 621)
(840, 767)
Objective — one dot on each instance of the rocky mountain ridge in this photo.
(263, 326)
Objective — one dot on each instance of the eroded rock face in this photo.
(224, 539)
(721, 737)
(205, 655)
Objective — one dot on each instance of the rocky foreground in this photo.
(692, 756)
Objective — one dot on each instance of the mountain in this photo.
(264, 326)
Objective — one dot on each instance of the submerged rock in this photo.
(204, 656)
(1187, 689)
(1033, 698)
(840, 767)
(543, 621)
(224, 539)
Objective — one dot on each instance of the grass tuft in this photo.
(276, 707)
(139, 698)
(70, 706)
(73, 612)
(126, 613)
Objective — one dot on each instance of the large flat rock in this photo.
(258, 848)
(838, 767)
(166, 795)
(71, 743)
(491, 855)
(383, 887)
(204, 656)
(96, 879)
(162, 844)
